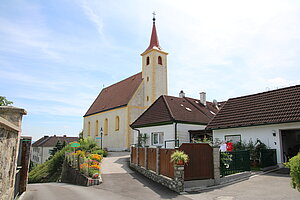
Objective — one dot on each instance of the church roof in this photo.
(174, 109)
(154, 44)
(116, 95)
(272, 107)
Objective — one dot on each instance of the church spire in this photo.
(154, 44)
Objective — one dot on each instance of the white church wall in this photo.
(115, 140)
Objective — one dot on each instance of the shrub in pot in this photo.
(179, 157)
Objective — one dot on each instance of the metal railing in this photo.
(240, 162)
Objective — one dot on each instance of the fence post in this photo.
(146, 158)
(216, 162)
(157, 159)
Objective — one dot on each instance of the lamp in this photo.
(274, 133)
(101, 134)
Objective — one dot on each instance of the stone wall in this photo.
(176, 184)
(10, 131)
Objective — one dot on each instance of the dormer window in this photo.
(159, 60)
(148, 61)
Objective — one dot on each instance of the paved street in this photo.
(122, 183)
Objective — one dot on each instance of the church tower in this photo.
(154, 69)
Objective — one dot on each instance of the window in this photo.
(147, 78)
(117, 125)
(159, 60)
(233, 138)
(97, 128)
(89, 129)
(157, 138)
(148, 61)
(106, 126)
(147, 98)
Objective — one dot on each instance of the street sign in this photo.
(98, 138)
(75, 144)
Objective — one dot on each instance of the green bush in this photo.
(50, 170)
(99, 151)
(294, 165)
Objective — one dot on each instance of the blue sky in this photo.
(55, 56)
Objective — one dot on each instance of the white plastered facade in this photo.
(168, 131)
(263, 132)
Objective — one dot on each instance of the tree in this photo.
(59, 146)
(80, 135)
(4, 101)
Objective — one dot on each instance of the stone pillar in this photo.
(179, 177)
(157, 159)
(146, 158)
(10, 132)
(216, 160)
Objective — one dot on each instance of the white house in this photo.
(41, 149)
(118, 105)
(273, 117)
(170, 118)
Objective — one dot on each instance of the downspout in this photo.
(176, 141)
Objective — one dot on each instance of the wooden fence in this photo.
(151, 154)
(133, 155)
(141, 160)
(200, 165)
(166, 166)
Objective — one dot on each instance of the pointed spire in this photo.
(154, 44)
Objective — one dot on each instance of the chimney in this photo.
(65, 135)
(203, 98)
(54, 135)
(46, 136)
(181, 94)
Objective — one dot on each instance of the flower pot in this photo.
(180, 162)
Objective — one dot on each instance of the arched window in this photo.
(147, 78)
(148, 61)
(89, 129)
(106, 126)
(117, 123)
(97, 128)
(147, 98)
(159, 60)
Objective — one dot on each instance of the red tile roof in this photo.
(116, 95)
(174, 109)
(51, 141)
(154, 44)
(272, 107)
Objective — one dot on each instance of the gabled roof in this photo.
(51, 141)
(116, 95)
(272, 107)
(169, 109)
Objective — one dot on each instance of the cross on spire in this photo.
(153, 16)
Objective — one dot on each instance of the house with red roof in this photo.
(41, 149)
(117, 106)
(272, 117)
(171, 121)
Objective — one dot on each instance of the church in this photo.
(119, 105)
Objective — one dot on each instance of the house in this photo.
(117, 106)
(41, 149)
(272, 117)
(170, 118)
